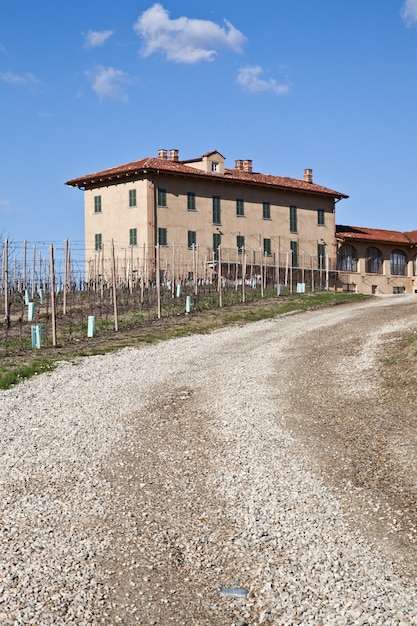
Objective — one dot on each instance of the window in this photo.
(293, 219)
(347, 258)
(294, 253)
(191, 238)
(373, 260)
(266, 211)
(320, 217)
(240, 207)
(98, 242)
(217, 240)
(162, 236)
(162, 197)
(191, 201)
(398, 263)
(97, 204)
(240, 243)
(133, 237)
(214, 167)
(267, 247)
(216, 210)
(321, 256)
(132, 197)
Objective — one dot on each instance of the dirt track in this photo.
(276, 460)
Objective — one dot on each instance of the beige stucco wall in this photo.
(116, 218)
(178, 220)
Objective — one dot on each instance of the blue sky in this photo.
(291, 84)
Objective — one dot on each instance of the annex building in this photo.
(376, 261)
(191, 212)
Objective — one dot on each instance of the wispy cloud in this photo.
(409, 12)
(6, 208)
(18, 79)
(3, 49)
(95, 38)
(108, 82)
(185, 40)
(251, 79)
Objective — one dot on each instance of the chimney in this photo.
(162, 154)
(247, 166)
(238, 165)
(173, 155)
(308, 176)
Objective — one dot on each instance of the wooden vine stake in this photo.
(52, 281)
(113, 271)
(243, 275)
(6, 282)
(158, 280)
(219, 277)
(66, 268)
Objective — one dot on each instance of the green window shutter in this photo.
(240, 243)
(162, 197)
(293, 219)
(216, 210)
(132, 197)
(98, 242)
(294, 250)
(97, 204)
(191, 238)
(133, 237)
(191, 206)
(240, 207)
(320, 217)
(321, 256)
(162, 236)
(266, 211)
(267, 247)
(217, 240)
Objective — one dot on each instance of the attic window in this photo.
(214, 167)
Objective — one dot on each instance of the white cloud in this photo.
(96, 38)
(185, 40)
(18, 79)
(409, 12)
(109, 83)
(250, 79)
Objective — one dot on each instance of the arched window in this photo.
(398, 262)
(373, 260)
(347, 258)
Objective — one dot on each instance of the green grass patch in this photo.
(14, 374)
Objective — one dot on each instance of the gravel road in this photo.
(257, 475)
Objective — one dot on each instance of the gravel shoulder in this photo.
(271, 458)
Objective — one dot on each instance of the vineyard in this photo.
(50, 300)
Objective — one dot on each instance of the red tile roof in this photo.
(178, 167)
(376, 235)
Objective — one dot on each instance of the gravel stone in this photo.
(263, 458)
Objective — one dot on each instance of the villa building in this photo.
(165, 204)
